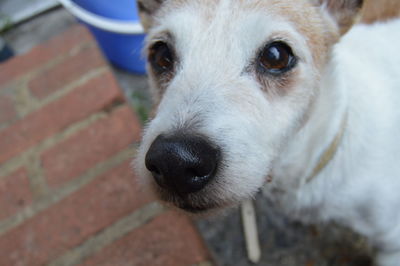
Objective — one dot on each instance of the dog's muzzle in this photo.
(182, 164)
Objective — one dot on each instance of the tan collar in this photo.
(330, 152)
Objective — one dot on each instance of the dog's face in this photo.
(232, 81)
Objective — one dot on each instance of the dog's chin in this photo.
(199, 206)
(197, 210)
(194, 208)
(203, 211)
(189, 207)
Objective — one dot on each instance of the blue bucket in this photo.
(116, 28)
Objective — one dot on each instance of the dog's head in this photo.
(232, 82)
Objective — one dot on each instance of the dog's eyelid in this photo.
(164, 36)
(286, 41)
(154, 42)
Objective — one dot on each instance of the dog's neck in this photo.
(302, 160)
(328, 155)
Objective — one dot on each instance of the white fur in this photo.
(360, 186)
(261, 133)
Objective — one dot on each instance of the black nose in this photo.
(182, 163)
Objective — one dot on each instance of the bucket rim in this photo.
(103, 23)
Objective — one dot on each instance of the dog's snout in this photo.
(182, 163)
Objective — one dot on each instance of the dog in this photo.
(277, 93)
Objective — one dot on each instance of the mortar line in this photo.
(114, 232)
(22, 159)
(38, 184)
(51, 62)
(57, 195)
(24, 100)
(203, 263)
(31, 103)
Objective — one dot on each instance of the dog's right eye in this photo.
(161, 57)
(277, 58)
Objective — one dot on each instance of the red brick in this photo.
(7, 109)
(15, 193)
(67, 71)
(90, 146)
(73, 220)
(42, 54)
(91, 97)
(168, 240)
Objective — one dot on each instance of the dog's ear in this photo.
(344, 12)
(147, 10)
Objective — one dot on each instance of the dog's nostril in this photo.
(158, 177)
(197, 173)
(153, 169)
(182, 163)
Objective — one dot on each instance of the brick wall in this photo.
(67, 193)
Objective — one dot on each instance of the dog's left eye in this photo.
(277, 58)
(161, 57)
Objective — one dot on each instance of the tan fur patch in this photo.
(380, 10)
(308, 21)
(302, 13)
(278, 86)
(306, 17)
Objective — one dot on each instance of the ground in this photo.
(66, 196)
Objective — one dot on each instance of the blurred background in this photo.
(73, 100)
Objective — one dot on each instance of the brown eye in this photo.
(161, 57)
(277, 58)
